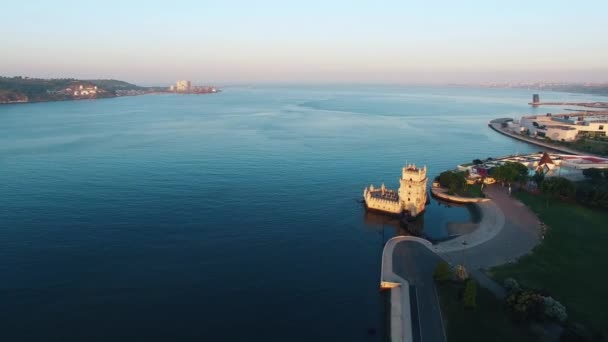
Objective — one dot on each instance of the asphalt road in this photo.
(415, 263)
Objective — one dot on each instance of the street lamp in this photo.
(464, 248)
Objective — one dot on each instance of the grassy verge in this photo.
(488, 322)
(471, 190)
(571, 262)
(596, 146)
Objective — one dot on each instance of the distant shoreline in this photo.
(19, 89)
(101, 98)
(66, 100)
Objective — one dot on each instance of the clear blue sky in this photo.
(228, 41)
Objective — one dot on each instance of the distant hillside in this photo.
(25, 89)
(115, 85)
(583, 89)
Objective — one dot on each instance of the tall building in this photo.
(412, 189)
(535, 98)
(183, 86)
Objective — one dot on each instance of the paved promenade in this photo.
(512, 230)
(490, 226)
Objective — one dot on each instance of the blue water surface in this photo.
(226, 217)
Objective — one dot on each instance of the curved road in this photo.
(416, 263)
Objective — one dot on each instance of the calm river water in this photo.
(226, 217)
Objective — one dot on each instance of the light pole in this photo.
(464, 248)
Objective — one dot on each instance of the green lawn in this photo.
(572, 261)
(597, 146)
(488, 322)
(471, 190)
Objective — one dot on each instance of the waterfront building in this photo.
(410, 198)
(550, 164)
(535, 98)
(561, 127)
(183, 86)
(82, 90)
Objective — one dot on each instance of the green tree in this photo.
(452, 180)
(510, 172)
(593, 174)
(538, 178)
(593, 193)
(442, 272)
(558, 187)
(470, 294)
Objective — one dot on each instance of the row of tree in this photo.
(593, 191)
(511, 173)
(454, 181)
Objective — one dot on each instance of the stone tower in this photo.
(412, 189)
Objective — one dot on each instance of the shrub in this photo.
(442, 272)
(593, 193)
(538, 178)
(470, 294)
(511, 285)
(454, 181)
(554, 309)
(558, 187)
(461, 273)
(525, 304)
(593, 174)
(510, 172)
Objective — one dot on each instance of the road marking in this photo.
(440, 313)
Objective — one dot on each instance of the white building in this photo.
(183, 86)
(563, 127)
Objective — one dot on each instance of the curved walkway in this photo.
(512, 230)
(491, 224)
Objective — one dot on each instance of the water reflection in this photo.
(440, 221)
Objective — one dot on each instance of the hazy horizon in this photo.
(224, 42)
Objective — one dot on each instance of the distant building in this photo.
(172, 88)
(82, 90)
(183, 86)
(535, 98)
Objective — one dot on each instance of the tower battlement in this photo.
(413, 173)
